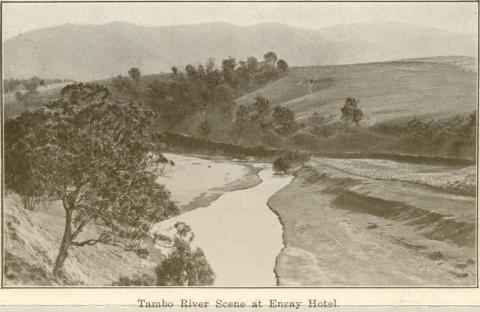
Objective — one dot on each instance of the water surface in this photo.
(240, 235)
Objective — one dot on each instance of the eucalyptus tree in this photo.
(100, 159)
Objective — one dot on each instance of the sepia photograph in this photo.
(214, 144)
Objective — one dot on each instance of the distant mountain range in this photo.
(88, 52)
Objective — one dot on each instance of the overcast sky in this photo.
(22, 17)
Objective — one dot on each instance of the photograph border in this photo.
(2, 116)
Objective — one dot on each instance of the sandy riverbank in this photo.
(197, 181)
(346, 230)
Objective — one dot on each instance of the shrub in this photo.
(305, 140)
(351, 112)
(136, 280)
(324, 130)
(282, 164)
(436, 255)
(184, 267)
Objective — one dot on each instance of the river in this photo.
(240, 236)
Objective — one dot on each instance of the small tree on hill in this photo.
(270, 58)
(261, 108)
(228, 69)
(284, 117)
(100, 159)
(351, 113)
(19, 96)
(134, 74)
(252, 63)
(282, 65)
(32, 84)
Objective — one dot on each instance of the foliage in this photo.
(183, 143)
(99, 159)
(282, 164)
(326, 130)
(271, 138)
(305, 140)
(453, 136)
(351, 112)
(20, 158)
(261, 111)
(259, 117)
(184, 267)
(134, 74)
(123, 84)
(195, 89)
(228, 68)
(18, 96)
(252, 63)
(30, 85)
(136, 280)
(287, 160)
(174, 100)
(282, 65)
(270, 58)
(181, 267)
(285, 118)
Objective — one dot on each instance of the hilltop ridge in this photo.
(102, 51)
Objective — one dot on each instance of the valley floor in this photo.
(347, 225)
(346, 222)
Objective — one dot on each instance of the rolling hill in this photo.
(437, 86)
(90, 52)
(437, 94)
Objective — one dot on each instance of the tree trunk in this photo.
(66, 241)
(28, 202)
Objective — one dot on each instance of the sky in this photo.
(23, 17)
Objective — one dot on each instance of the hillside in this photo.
(420, 106)
(32, 239)
(89, 52)
(438, 86)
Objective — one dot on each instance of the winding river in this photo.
(240, 236)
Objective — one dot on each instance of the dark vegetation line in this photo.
(177, 142)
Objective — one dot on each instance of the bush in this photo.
(305, 140)
(135, 280)
(351, 113)
(282, 164)
(184, 267)
(324, 130)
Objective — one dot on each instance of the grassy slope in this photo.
(440, 86)
(32, 239)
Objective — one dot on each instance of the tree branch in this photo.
(80, 226)
(89, 242)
